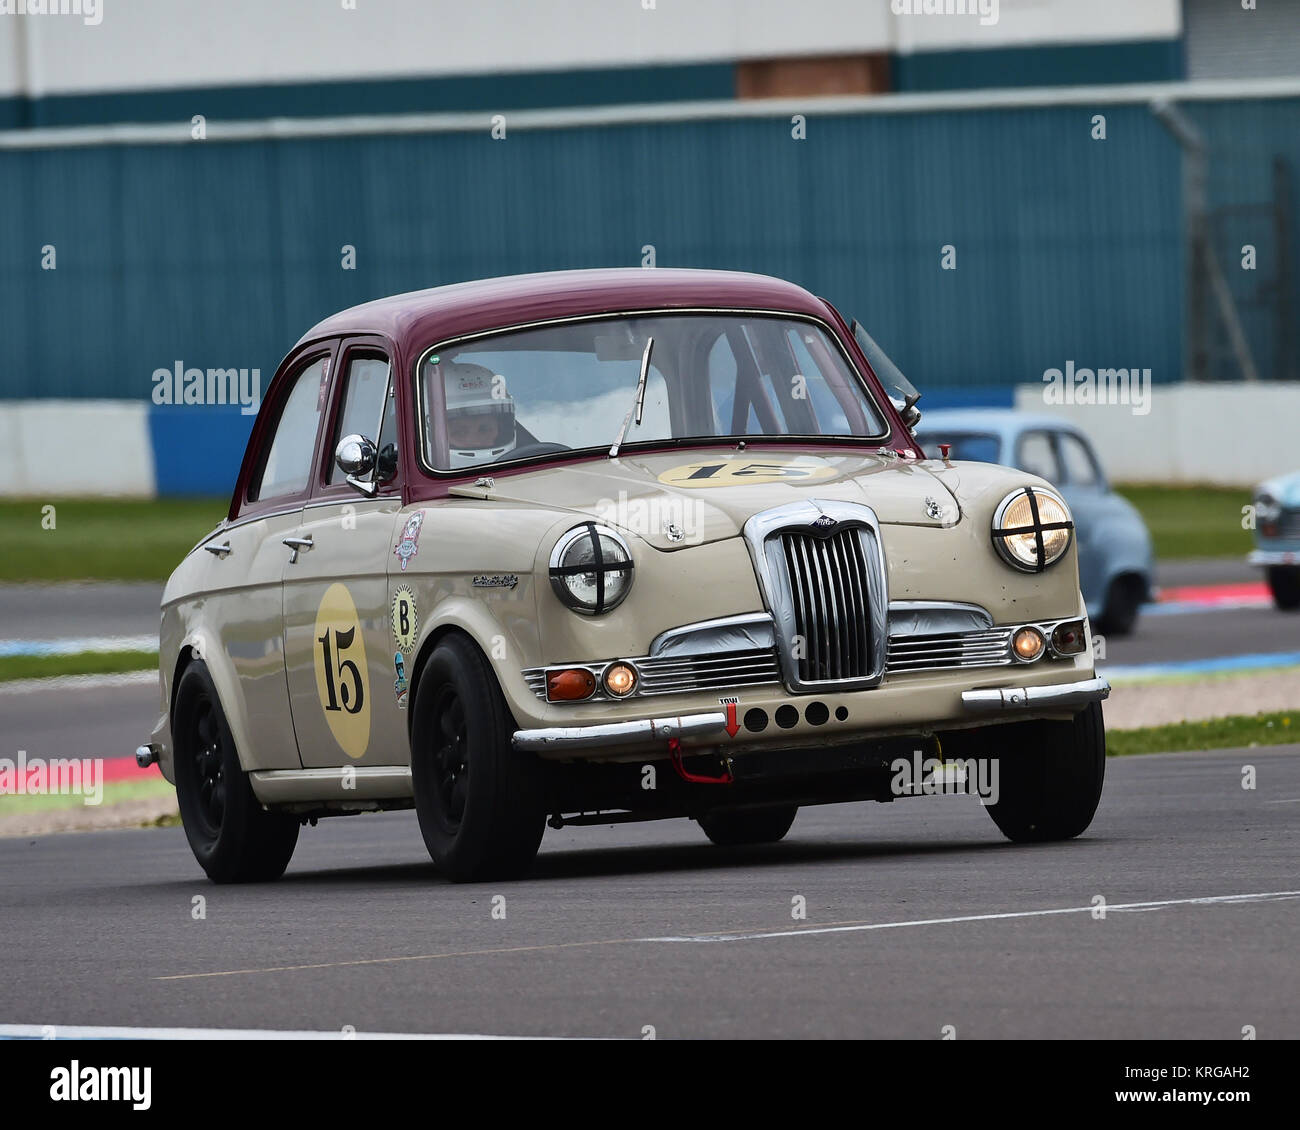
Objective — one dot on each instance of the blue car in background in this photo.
(1277, 537)
(1116, 563)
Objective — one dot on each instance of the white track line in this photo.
(61, 1032)
(858, 927)
(734, 936)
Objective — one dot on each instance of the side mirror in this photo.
(356, 456)
(907, 408)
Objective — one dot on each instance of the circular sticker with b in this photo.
(406, 619)
(738, 472)
(342, 680)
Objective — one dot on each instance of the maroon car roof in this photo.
(424, 316)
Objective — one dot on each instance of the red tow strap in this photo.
(675, 755)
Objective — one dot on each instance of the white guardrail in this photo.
(1224, 434)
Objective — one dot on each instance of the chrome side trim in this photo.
(642, 731)
(1060, 696)
(363, 782)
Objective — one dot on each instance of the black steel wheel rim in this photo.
(208, 760)
(450, 759)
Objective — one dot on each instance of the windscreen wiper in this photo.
(639, 405)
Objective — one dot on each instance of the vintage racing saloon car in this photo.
(611, 545)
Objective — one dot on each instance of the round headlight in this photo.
(591, 569)
(1032, 528)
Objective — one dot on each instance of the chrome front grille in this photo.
(680, 674)
(759, 666)
(1288, 524)
(829, 590)
(708, 672)
(821, 567)
(990, 648)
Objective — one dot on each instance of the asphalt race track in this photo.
(919, 916)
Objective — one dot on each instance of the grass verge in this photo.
(101, 539)
(1213, 733)
(1193, 521)
(79, 663)
(114, 793)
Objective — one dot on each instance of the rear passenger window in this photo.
(287, 467)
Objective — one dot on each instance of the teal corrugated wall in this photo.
(221, 254)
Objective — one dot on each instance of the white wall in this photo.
(1233, 435)
(149, 44)
(53, 448)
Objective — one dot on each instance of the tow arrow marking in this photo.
(732, 725)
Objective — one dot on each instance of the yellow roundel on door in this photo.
(342, 680)
(737, 472)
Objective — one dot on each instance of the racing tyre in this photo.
(748, 825)
(1123, 602)
(1049, 776)
(232, 836)
(1284, 580)
(479, 803)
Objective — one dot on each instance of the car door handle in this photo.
(221, 550)
(296, 544)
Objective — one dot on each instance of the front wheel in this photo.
(479, 803)
(748, 825)
(232, 836)
(1284, 581)
(1049, 776)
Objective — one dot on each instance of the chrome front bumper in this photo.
(1066, 696)
(646, 731)
(612, 735)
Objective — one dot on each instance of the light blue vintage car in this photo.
(1277, 537)
(1116, 565)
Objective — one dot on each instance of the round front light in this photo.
(1032, 529)
(1028, 644)
(591, 569)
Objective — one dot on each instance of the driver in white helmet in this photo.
(480, 415)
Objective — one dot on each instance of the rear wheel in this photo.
(479, 803)
(232, 836)
(748, 825)
(1049, 776)
(1284, 580)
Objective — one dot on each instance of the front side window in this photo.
(286, 469)
(568, 387)
(366, 408)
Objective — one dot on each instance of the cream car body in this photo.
(316, 616)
